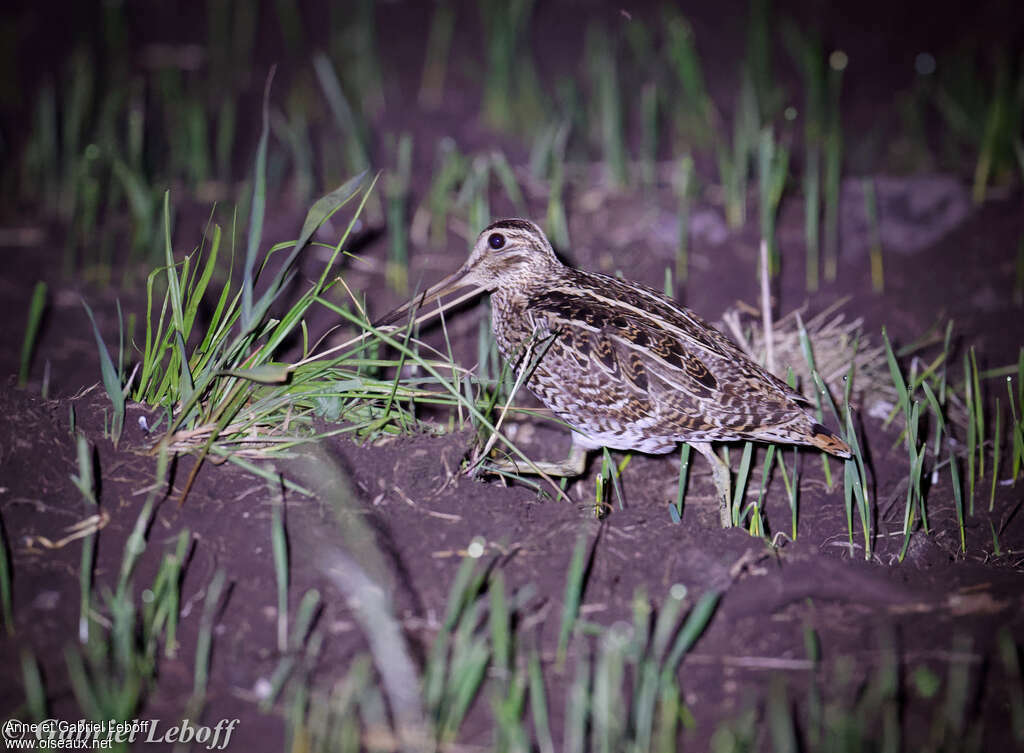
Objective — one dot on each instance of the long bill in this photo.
(447, 285)
(420, 302)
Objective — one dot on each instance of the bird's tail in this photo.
(823, 439)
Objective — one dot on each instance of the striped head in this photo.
(506, 252)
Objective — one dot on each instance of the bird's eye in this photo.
(496, 241)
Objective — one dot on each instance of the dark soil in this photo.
(939, 608)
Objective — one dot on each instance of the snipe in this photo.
(626, 367)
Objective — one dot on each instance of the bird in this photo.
(626, 367)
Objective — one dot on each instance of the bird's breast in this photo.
(511, 324)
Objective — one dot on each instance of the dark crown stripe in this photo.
(512, 224)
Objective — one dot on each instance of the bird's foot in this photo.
(571, 467)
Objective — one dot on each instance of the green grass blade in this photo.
(435, 64)
(958, 499)
(322, 210)
(197, 289)
(871, 211)
(173, 286)
(111, 380)
(436, 667)
(573, 596)
(972, 438)
(683, 180)
(500, 626)
(780, 719)
(741, 482)
(268, 373)
(792, 488)
(136, 543)
(577, 703)
(86, 484)
(539, 705)
(257, 210)
(35, 691)
(1016, 432)
(684, 472)
(507, 179)
(204, 642)
(997, 441)
(897, 377)
(279, 543)
(979, 417)
(35, 315)
(696, 622)
(344, 117)
(466, 682)
(319, 213)
(666, 622)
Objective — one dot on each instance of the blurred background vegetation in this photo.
(104, 105)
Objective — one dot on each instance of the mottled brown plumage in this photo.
(624, 365)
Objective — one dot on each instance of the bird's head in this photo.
(507, 252)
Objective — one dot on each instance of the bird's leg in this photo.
(720, 474)
(571, 467)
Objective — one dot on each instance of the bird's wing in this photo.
(622, 345)
(697, 337)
